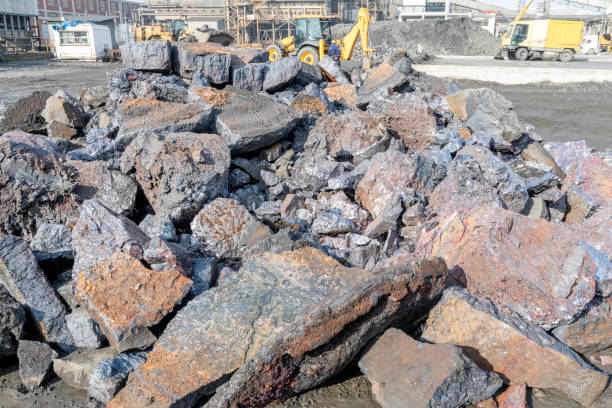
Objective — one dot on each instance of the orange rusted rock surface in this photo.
(123, 296)
(519, 352)
(405, 372)
(408, 117)
(339, 93)
(355, 135)
(488, 403)
(536, 268)
(277, 309)
(212, 96)
(588, 186)
(310, 104)
(513, 397)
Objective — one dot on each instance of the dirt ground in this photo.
(18, 79)
(561, 113)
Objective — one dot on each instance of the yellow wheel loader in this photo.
(312, 38)
(176, 30)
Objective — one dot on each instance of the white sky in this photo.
(513, 4)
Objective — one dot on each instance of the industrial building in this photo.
(123, 10)
(19, 25)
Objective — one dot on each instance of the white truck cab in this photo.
(590, 44)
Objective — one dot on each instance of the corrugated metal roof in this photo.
(27, 7)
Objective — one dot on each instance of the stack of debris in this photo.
(425, 38)
(228, 233)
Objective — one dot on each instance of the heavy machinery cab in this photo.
(310, 29)
(312, 39)
(519, 33)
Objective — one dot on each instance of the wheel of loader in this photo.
(309, 55)
(511, 55)
(566, 56)
(521, 54)
(274, 53)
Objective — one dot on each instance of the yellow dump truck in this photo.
(557, 39)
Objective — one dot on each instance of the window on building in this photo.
(91, 6)
(102, 5)
(78, 4)
(65, 4)
(51, 3)
(74, 38)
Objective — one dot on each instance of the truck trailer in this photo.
(556, 39)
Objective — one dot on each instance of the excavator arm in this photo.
(360, 29)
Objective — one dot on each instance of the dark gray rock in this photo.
(12, 323)
(214, 67)
(34, 174)
(310, 74)
(143, 117)
(383, 78)
(385, 221)
(538, 177)
(84, 331)
(329, 223)
(332, 68)
(52, 241)
(203, 274)
(109, 376)
(250, 123)
(251, 196)
(119, 82)
(312, 173)
(225, 228)
(100, 233)
(485, 110)
(35, 361)
(281, 73)
(199, 80)
(158, 226)
(166, 88)
(478, 178)
(249, 78)
(115, 190)
(153, 55)
(178, 172)
(26, 282)
(238, 178)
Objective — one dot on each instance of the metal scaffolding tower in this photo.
(265, 21)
